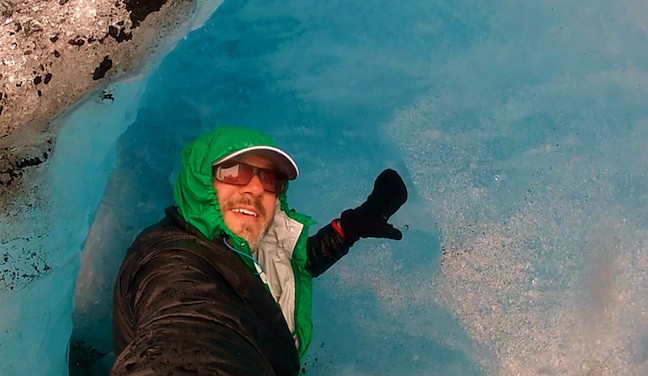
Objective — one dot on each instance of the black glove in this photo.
(369, 220)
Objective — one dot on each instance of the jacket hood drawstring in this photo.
(257, 263)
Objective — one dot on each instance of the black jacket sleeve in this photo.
(324, 249)
(187, 318)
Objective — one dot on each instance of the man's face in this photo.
(248, 210)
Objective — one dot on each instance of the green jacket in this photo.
(197, 203)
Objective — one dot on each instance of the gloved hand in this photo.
(369, 220)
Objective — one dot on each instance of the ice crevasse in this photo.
(519, 128)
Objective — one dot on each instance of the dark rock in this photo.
(140, 9)
(104, 66)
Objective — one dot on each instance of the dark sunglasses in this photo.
(239, 173)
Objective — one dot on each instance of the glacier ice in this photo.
(519, 127)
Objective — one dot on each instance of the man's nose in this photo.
(254, 187)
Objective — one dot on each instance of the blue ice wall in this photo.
(520, 129)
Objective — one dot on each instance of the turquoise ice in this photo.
(519, 127)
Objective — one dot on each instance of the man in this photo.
(222, 285)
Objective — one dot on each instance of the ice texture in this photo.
(520, 129)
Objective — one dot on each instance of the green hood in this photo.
(194, 193)
(195, 197)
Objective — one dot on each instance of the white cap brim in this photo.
(281, 161)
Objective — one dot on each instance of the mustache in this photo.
(244, 201)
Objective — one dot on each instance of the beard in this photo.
(253, 236)
(252, 233)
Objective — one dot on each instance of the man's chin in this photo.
(251, 232)
(250, 235)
